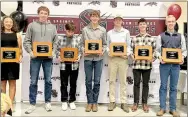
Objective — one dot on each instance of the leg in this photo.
(174, 76)
(34, 73)
(113, 67)
(164, 74)
(145, 90)
(64, 83)
(3, 85)
(136, 90)
(12, 89)
(73, 82)
(98, 65)
(88, 66)
(47, 69)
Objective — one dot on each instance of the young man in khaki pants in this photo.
(118, 63)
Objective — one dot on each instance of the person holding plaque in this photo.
(69, 68)
(10, 38)
(118, 64)
(142, 67)
(170, 39)
(94, 61)
(44, 33)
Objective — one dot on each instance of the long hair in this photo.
(14, 27)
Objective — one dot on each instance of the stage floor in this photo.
(80, 111)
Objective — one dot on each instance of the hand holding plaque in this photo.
(172, 55)
(143, 53)
(118, 49)
(10, 54)
(93, 46)
(43, 49)
(69, 54)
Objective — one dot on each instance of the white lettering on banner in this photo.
(104, 7)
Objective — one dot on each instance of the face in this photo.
(8, 23)
(170, 22)
(94, 19)
(118, 22)
(43, 16)
(69, 33)
(142, 26)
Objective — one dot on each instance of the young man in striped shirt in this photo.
(118, 64)
(142, 67)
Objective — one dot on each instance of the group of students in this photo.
(44, 31)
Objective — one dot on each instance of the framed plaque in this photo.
(10, 54)
(93, 46)
(118, 49)
(42, 48)
(172, 55)
(143, 52)
(69, 54)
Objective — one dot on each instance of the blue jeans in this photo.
(167, 70)
(93, 93)
(35, 65)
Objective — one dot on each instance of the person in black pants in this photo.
(68, 69)
(142, 67)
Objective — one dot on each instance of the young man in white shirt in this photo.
(118, 63)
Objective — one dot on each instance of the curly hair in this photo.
(14, 27)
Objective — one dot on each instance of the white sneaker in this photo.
(64, 106)
(72, 106)
(48, 107)
(30, 109)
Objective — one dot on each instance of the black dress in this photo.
(9, 71)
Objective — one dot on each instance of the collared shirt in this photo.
(94, 34)
(143, 40)
(159, 45)
(73, 42)
(119, 36)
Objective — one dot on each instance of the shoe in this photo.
(88, 107)
(64, 106)
(48, 107)
(174, 113)
(145, 108)
(72, 106)
(134, 107)
(161, 112)
(125, 107)
(30, 109)
(95, 108)
(111, 106)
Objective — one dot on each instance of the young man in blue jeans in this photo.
(40, 31)
(169, 39)
(93, 31)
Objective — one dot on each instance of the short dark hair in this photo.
(142, 20)
(70, 26)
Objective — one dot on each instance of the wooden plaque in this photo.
(10, 54)
(143, 53)
(42, 49)
(172, 55)
(69, 54)
(93, 46)
(118, 49)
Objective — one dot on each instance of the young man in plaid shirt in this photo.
(142, 67)
(68, 68)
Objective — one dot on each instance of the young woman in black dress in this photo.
(10, 71)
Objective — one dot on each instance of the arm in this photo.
(82, 40)
(79, 48)
(108, 42)
(20, 43)
(158, 47)
(58, 47)
(55, 42)
(27, 44)
(104, 42)
(128, 41)
(154, 48)
(183, 46)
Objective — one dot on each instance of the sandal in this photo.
(145, 108)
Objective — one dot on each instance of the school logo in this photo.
(129, 80)
(54, 93)
(151, 4)
(39, 92)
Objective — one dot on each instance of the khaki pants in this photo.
(118, 65)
